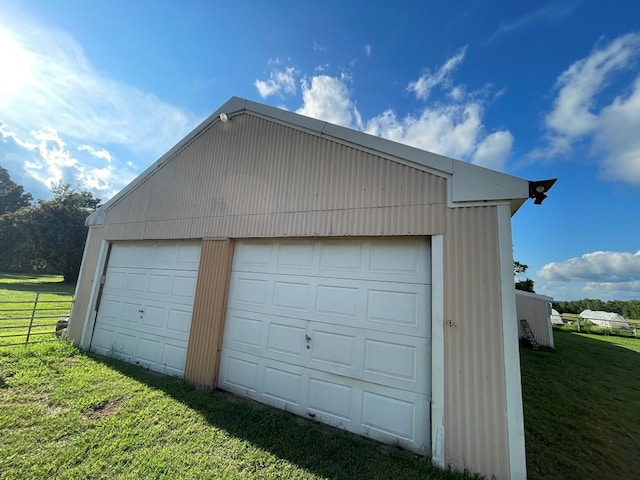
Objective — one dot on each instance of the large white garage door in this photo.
(338, 330)
(144, 316)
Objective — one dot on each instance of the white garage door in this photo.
(338, 330)
(145, 309)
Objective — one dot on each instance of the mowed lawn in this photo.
(582, 408)
(68, 414)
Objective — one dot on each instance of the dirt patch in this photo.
(103, 409)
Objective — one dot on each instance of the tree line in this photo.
(45, 236)
(626, 308)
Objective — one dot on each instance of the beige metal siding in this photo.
(251, 177)
(205, 338)
(475, 395)
(85, 284)
(536, 310)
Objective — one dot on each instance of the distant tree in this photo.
(58, 230)
(525, 285)
(519, 267)
(12, 195)
(49, 236)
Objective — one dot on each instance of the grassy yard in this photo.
(17, 295)
(65, 414)
(582, 408)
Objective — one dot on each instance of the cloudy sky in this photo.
(91, 93)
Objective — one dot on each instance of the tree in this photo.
(12, 195)
(48, 236)
(58, 231)
(525, 285)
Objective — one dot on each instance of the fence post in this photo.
(578, 324)
(33, 314)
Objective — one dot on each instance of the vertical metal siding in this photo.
(536, 311)
(475, 391)
(85, 284)
(251, 177)
(209, 309)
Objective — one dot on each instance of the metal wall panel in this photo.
(207, 323)
(251, 177)
(85, 284)
(536, 310)
(475, 391)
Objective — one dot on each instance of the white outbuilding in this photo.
(556, 318)
(605, 319)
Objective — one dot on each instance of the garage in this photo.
(144, 312)
(334, 329)
(324, 271)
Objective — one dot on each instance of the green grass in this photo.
(582, 408)
(65, 414)
(17, 295)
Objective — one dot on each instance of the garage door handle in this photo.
(140, 311)
(308, 339)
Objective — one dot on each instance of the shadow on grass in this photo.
(326, 451)
(582, 408)
(35, 283)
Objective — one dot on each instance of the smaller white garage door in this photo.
(144, 316)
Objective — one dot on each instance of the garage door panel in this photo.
(173, 358)
(383, 306)
(397, 361)
(283, 386)
(285, 339)
(291, 295)
(145, 311)
(391, 260)
(331, 399)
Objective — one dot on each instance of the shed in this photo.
(556, 318)
(345, 277)
(604, 319)
(536, 309)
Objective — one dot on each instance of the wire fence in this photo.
(623, 328)
(33, 321)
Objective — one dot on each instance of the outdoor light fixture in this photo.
(537, 190)
(224, 118)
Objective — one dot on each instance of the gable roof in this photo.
(467, 184)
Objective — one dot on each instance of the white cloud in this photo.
(56, 85)
(319, 48)
(550, 13)
(50, 91)
(454, 129)
(367, 50)
(428, 81)
(598, 267)
(578, 114)
(572, 115)
(617, 138)
(48, 160)
(279, 81)
(327, 98)
(451, 130)
(493, 151)
(98, 153)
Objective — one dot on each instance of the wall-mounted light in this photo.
(537, 190)
(224, 118)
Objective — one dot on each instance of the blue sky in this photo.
(91, 93)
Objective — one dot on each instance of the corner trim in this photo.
(90, 316)
(437, 352)
(513, 385)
